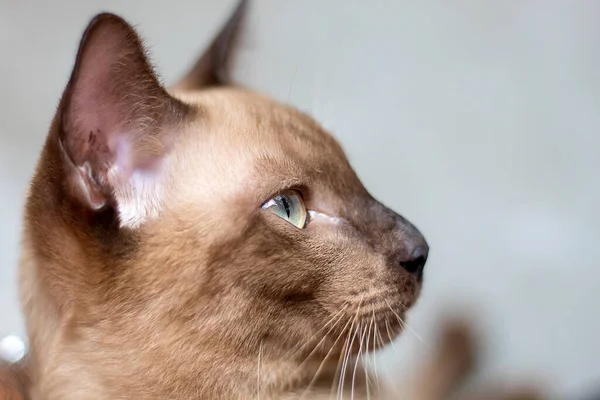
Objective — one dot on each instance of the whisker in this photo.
(365, 366)
(369, 356)
(358, 357)
(342, 357)
(345, 364)
(365, 359)
(404, 322)
(347, 356)
(379, 337)
(320, 342)
(387, 328)
(374, 356)
(301, 346)
(325, 359)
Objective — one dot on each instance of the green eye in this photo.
(289, 206)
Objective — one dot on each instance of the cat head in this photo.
(198, 227)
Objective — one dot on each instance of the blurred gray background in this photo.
(477, 120)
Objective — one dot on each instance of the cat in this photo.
(201, 241)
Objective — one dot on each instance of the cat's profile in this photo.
(200, 241)
(177, 238)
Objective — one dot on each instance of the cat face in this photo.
(183, 232)
(277, 230)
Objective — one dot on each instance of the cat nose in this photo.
(407, 249)
(414, 262)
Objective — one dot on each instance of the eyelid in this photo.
(272, 191)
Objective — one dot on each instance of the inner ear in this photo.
(115, 117)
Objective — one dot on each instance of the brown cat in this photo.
(201, 241)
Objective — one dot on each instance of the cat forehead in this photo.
(248, 126)
(261, 114)
(239, 142)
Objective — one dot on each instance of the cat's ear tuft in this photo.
(213, 68)
(115, 119)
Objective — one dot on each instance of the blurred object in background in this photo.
(12, 348)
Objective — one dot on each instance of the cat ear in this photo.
(116, 122)
(213, 67)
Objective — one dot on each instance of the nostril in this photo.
(416, 263)
(415, 266)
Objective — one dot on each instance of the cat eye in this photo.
(289, 206)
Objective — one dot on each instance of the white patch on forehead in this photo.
(325, 217)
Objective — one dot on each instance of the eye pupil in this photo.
(286, 205)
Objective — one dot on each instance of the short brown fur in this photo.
(149, 269)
